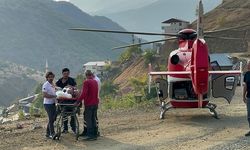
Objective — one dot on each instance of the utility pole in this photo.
(139, 41)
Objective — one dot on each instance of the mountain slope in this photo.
(102, 7)
(35, 30)
(136, 69)
(17, 81)
(229, 14)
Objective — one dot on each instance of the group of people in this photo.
(89, 96)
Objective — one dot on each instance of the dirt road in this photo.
(186, 129)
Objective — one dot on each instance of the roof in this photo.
(173, 20)
(96, 63)
(28, 99)
(223, 59)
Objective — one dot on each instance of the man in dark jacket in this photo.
(67, 81)
(89, 95)
(246, 93)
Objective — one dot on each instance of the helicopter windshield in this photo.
(187, 36)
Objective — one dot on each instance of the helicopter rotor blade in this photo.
(144, 43)
(225, 29)
(225, 38)
(123, 32)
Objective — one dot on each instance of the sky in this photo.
(106, 6)
(62, 0)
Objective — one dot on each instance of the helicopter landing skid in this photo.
(212, 111)
(164, 107)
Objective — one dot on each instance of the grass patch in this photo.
(124, 102)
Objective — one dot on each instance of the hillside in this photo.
(35, 30)
(17, 81)
(229, 14)
(136, 69)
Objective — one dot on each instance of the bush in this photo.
(126, 101)
(21, 115)
(108, 89)
(138, 84)
(152, 94)
(149, 56)
(38, 102)
(41, 112)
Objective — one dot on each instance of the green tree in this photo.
(108, 88)
(149, 56)
(129, 52)
(38, 102)
(107, 67)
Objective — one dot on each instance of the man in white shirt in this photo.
(99, 84)
(99, 89)
(49, 101)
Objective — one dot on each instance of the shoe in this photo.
(90, 138)
(47, 136)
(65, 131)
(52, 137)
(247, 134)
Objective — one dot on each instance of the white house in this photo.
(174, 25)
(97, 67)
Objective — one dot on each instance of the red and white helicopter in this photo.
(190, 79)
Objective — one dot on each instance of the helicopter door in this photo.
(161, 88)
(224, 86)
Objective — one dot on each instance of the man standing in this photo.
(49, 95)
(84, 133)
(90, 96)
(67, 81)
(99, 83)
(246, 93)
(99, 89)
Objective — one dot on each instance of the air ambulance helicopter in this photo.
(191, 78)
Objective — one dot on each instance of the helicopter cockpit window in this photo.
(180, 94)
(188, 36)
(229, 83)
